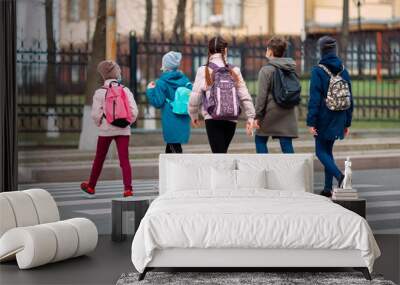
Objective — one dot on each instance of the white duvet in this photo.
(250, 219)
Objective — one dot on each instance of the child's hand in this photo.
(152, 84)
(196, 123)
(249, 128)
(256, 124)
(313, 131)
(346, 132)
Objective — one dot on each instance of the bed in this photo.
(246, 211)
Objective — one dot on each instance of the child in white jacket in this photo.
(111, 73)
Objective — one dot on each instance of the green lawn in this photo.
(360, 88)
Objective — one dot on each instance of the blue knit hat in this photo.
(171, 60)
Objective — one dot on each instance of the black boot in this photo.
(326, 193)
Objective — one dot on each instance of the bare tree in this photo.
(88, 137)
(345, 30)
(51, 88)
(150, 110)
(147, 32)
(51, 56)
(98, 52)
(149, 20)
(179, 25)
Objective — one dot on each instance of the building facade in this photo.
(325, 16)
(230, 17)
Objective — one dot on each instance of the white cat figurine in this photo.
(347, 174)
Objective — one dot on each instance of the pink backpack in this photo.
(116, 108)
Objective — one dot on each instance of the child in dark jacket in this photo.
(325, 125)
(271, 119)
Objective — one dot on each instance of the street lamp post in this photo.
(358, 3)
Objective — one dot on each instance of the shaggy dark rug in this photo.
(243, 278)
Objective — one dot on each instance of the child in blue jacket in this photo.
(325, 125)
(176, 128)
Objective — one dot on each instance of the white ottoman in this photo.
(31, 233)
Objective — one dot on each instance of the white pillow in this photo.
(282, 174)
(185, 176)
(182, 177)
(251, 178)
(223, 179)
(280, 180)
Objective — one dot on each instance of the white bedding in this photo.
(251, 218)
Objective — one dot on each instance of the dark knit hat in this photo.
(109, 69)
(327, 45)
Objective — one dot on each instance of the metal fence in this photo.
(373, 59)
(35, 112)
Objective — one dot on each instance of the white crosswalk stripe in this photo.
(383, 217)
(101, 211)
(68, 186)
(387, 231)
(380, 193)
(381, 204)
(72, 201)
(108, 190)
(98, 194)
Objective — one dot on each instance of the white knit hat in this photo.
(171, 60)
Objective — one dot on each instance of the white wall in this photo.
(288, 17)
(330, 11)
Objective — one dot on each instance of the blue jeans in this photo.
(323, 150)
(285, 142)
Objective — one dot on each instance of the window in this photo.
(230, 12)
(353, 51)
(370, 55)
(394, 57)
(73, 10)
(203, 9)
(78, 10)
(91, 9)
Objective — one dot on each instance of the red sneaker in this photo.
(128, 192)
(87, 189)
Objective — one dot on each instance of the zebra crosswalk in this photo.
(383, 205)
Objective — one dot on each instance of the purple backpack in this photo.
(222, 100)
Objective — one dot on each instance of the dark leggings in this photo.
(220, 134)
(173, 148)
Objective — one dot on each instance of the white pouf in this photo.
(7, 216)
(31, 233)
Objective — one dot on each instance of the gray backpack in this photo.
(222, 101)
(339, 96)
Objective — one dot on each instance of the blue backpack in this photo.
(180, 104)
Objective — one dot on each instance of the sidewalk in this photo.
(142, 137)
(74, 165)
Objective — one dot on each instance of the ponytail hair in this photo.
(218, 45)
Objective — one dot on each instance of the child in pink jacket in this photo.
(111, 73)
(219, 132)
